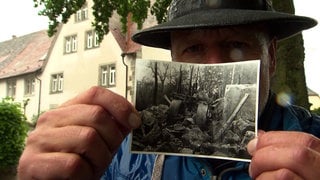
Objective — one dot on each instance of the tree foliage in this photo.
(160, 9)
(59, 11)
(13, 131)
(316, 111)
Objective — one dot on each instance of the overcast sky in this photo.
(19, 17)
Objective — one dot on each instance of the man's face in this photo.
(227, 45)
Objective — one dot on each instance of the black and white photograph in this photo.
(202, 110)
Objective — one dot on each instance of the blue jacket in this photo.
(140, 166)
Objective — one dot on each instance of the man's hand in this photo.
(79, 139)
(285, 155)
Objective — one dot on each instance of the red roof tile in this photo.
(25, 54)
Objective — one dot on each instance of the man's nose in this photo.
(214, 55)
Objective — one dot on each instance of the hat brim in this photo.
(280, 25)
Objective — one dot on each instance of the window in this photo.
(107, 75)
(104, 76)
(92, 39)
(56, 83)
(71, 44)
(112, 79)
(74, 43)
(82, 14)
(29, 86)
(11, 88)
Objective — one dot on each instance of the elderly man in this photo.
(81, 138)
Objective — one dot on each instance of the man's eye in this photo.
(194, 48)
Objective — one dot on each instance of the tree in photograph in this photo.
(180, 77)
(155, 75)
(160, 72)
(163, 71)
(190, 81)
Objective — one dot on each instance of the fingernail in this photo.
(252, 145)
(250, 173)
(134, 120)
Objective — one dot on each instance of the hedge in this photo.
(13, 131)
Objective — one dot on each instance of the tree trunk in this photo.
(155, 92)
(190, 80)
(290, 75)
(179, 89)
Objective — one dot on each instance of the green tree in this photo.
(290, 75)
(59, 11)
(13, 131)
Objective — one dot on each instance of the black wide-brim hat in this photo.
(198, 14)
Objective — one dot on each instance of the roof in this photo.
(312, 93)
(25, 54)
(124, 39)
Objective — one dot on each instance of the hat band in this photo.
(181, 7)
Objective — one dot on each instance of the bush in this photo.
(13, 131)
(316, 111)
